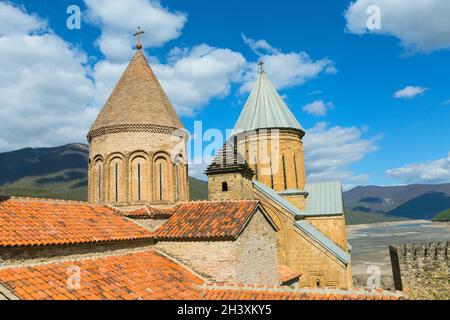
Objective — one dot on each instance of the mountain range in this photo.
(61, 172)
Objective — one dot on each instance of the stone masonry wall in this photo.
(333, 227)
(215, 260)
(127, 149)
(422, 271)
(257, 253)
(319, 268)
(252, 259)
(239, 187)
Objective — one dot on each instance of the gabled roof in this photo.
(138, 99)
(34, 222)
(296, 212)
(323, 198)
(208, 220)
(140, 275)
(303, 225)
(265, 109)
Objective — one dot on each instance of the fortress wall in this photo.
(422, 270)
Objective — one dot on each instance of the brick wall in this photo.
(422, 271)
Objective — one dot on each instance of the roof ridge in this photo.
(37, 199)
(278, 288)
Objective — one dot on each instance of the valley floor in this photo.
(370, 242)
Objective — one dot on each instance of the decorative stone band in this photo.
(152, 128)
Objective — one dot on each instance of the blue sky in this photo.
(375, 103)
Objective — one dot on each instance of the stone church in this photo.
(265, 232)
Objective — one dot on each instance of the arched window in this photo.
(97, 181)
(116, 180)
(161, 168)
(139, 179)
(224, 186)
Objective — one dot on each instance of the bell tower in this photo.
(137, 144)
(269, 137)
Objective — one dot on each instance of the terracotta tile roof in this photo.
(34, 222)
(240, 292)
(208, 220)
(149, 212)
(141, 275)
(287, 274)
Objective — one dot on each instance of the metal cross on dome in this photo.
(261, 67)
(138, 34)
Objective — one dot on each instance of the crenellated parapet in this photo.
(424, 252)
(422, 268)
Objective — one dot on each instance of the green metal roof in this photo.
(265, 109)
(324, 198)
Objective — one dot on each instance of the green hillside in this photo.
(59, 173)
(360, 217)
(444, 216)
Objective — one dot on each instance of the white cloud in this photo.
(421, 25)
(259, 47)
(436, 171)
(15, 20)
(195, 76)
(285, 70)
(409, 92)
(330, 152)
(45, 94)
(118, 20)
(446, 103)
(317, 108)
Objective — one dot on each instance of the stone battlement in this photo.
(421, 269)
(423, 251)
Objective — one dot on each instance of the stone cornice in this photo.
(152, 128)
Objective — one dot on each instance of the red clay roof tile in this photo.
(287, 274)
(141, 275)
(212, 220)
(31, 222)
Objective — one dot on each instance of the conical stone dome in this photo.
(137, 99)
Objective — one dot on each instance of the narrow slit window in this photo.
(139, 181)
(176, 182)
(116, 181)
(99, 183)
(160, 182)
(271, 172)
(284, 173)
(256, 170)
(295, 171)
